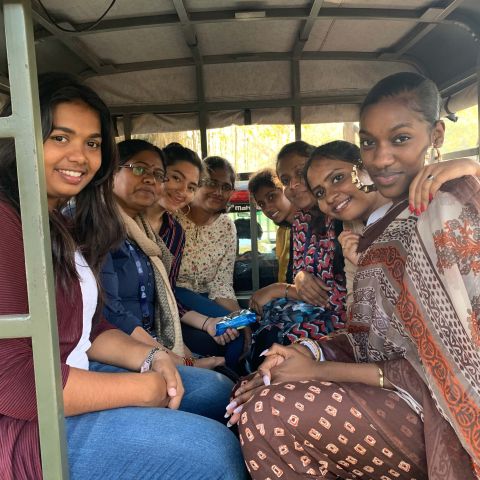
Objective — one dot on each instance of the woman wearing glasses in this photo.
(205, 281)
(183, 172)
(138, 296)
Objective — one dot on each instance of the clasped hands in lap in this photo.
(282, 364)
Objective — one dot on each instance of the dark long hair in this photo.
(175, 152)
(336, 150)
(94, 227)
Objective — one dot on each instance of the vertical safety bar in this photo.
(25, 126)
(253, 236)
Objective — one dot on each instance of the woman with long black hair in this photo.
(107, 434)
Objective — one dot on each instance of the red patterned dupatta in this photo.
(417, 296)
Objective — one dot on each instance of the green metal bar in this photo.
(8, 125)
(38, 259)
(468, 152)
(127, 127)
(15, 326)
(296, 109)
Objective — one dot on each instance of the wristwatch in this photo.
(147, 363)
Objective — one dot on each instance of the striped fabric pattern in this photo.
(173, 236)
(19, 438)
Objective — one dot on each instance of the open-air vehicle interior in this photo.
(199, 65)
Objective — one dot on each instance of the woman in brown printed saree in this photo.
(414, 329)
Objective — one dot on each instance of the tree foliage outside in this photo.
(252, 147)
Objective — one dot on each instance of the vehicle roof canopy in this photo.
(180, 64)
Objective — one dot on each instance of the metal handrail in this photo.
(41, 324)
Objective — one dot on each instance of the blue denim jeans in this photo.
(158, 443)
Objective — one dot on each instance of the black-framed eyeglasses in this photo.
(139, 171)
(214, 185)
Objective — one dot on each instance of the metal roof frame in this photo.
(424, 19)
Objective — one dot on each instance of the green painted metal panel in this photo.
(26, 128)
(15, 326)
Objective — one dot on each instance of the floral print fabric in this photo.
(208, 257)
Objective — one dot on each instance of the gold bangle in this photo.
(286, 290)
(380, 377)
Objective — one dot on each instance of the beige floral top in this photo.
(209, 257)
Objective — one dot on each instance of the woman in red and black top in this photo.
(106, 437)
(314, 304)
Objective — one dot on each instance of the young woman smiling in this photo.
(108, 435)
(398, 395)
(205, 281)
(313, 305)
(329, 173)
(183, 172)
(268, 193)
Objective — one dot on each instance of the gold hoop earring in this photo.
(358, 183)
(189, 209)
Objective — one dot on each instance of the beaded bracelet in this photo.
(188, 361)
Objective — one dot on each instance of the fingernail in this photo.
(227, 415)
(172, 392)
(264, 353)
(229, 424)
(266, 380)
(411, 208)
(231, 405)
(417, 212)
(238, 409)
(430, 197)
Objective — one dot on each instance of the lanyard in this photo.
(142, 288)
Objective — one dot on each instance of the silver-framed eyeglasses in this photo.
(139, 171)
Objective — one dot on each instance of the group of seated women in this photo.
(366, 353)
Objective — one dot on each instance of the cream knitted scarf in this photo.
(167, 319)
